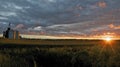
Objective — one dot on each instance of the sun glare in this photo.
(108, 38)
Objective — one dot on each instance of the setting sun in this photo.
(108, 39)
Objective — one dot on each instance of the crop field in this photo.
(68, 53)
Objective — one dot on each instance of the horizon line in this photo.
(29, 36)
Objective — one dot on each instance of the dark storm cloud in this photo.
(60, 16)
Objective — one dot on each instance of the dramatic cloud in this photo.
(114, 27)
(19, 26)
(83, 17)
(102, 4)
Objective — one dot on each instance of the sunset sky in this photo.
(61, 17)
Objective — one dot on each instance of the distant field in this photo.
(59, 53)
(52, 41)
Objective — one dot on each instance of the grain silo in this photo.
(11, 34)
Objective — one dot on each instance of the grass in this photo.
(82, 53)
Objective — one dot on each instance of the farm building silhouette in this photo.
(10, 33)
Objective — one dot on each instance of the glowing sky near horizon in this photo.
(61, 17)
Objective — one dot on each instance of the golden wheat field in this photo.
(59, 53)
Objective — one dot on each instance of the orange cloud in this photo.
(114, 27)
(102, 4)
